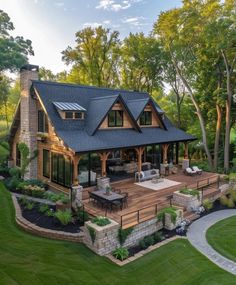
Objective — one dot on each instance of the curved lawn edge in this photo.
(197, 237)
(223, 242)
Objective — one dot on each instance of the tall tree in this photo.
(95, 57)
(140, 63)
(14, 51)
(191, 37)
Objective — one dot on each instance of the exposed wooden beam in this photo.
(165, 149)
(103, 158)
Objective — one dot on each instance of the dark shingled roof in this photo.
(84, 135)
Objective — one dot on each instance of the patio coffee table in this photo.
(157, 180)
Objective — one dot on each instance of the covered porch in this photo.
(122, 164)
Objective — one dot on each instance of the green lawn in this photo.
(26, 259)
(222, 237)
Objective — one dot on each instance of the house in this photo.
(84, 132)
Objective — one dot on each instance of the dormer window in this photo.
(71, 111)
(115, 118)
(74, 115)
(146, 118)
(68, 115)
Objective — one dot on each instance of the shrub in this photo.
(12, 183)
(15, 172)
(43, 208)
(23, 200)
(142, 244)
(230, 203)
(158, 236)
(53, 197)
(29, 205)
(223, 200)
(92, 233)
(101, 221)
(232, 194)
(64, 199)
(82, 216)
(64, 217)
(207, 204)
(149, 240)
(121, 253)
(169, 210)
(123, 234)
(191, 192)
(50, 213)
(232, 176)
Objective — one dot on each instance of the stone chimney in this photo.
(29, 115)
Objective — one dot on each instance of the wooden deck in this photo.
(144, 203)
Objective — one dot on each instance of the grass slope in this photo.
(26, 259)
(222, 236)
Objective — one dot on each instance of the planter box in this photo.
(105, 237)
(190, 202)
(169, 225)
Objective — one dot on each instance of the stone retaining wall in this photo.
(106, 239)
(34, 229)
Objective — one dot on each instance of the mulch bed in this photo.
(41, 220)
(136, 249)
(216, 207)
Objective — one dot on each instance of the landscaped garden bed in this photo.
(46, 216)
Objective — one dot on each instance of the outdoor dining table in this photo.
(109, 198)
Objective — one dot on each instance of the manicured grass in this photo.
(26, 259)
(222, 237)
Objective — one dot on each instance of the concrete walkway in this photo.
(197, 237)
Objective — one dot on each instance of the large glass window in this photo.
(46, 163)
(61, 170)
(42, 122)
(115, 118)
(146, 118)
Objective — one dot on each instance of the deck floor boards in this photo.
(141, 197)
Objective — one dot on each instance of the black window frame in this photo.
(18, 156)
(71, 113)
(61, 179)
(42, 122)
(115, 112)
(46, 163)
(80, 117)
(144, 120)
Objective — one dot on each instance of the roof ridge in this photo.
(104, 97)
(85, 86)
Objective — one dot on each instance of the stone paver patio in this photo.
(197, 237)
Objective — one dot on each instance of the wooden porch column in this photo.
(165, 149)
(139, 151)
(186, 150)
(103, 158)
(76, 160)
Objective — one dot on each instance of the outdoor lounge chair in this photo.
(189, 171)
(195, 168)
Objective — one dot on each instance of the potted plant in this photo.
(108, 190)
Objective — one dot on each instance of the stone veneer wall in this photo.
(106, 237)
(190, 202)
(29, 117)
